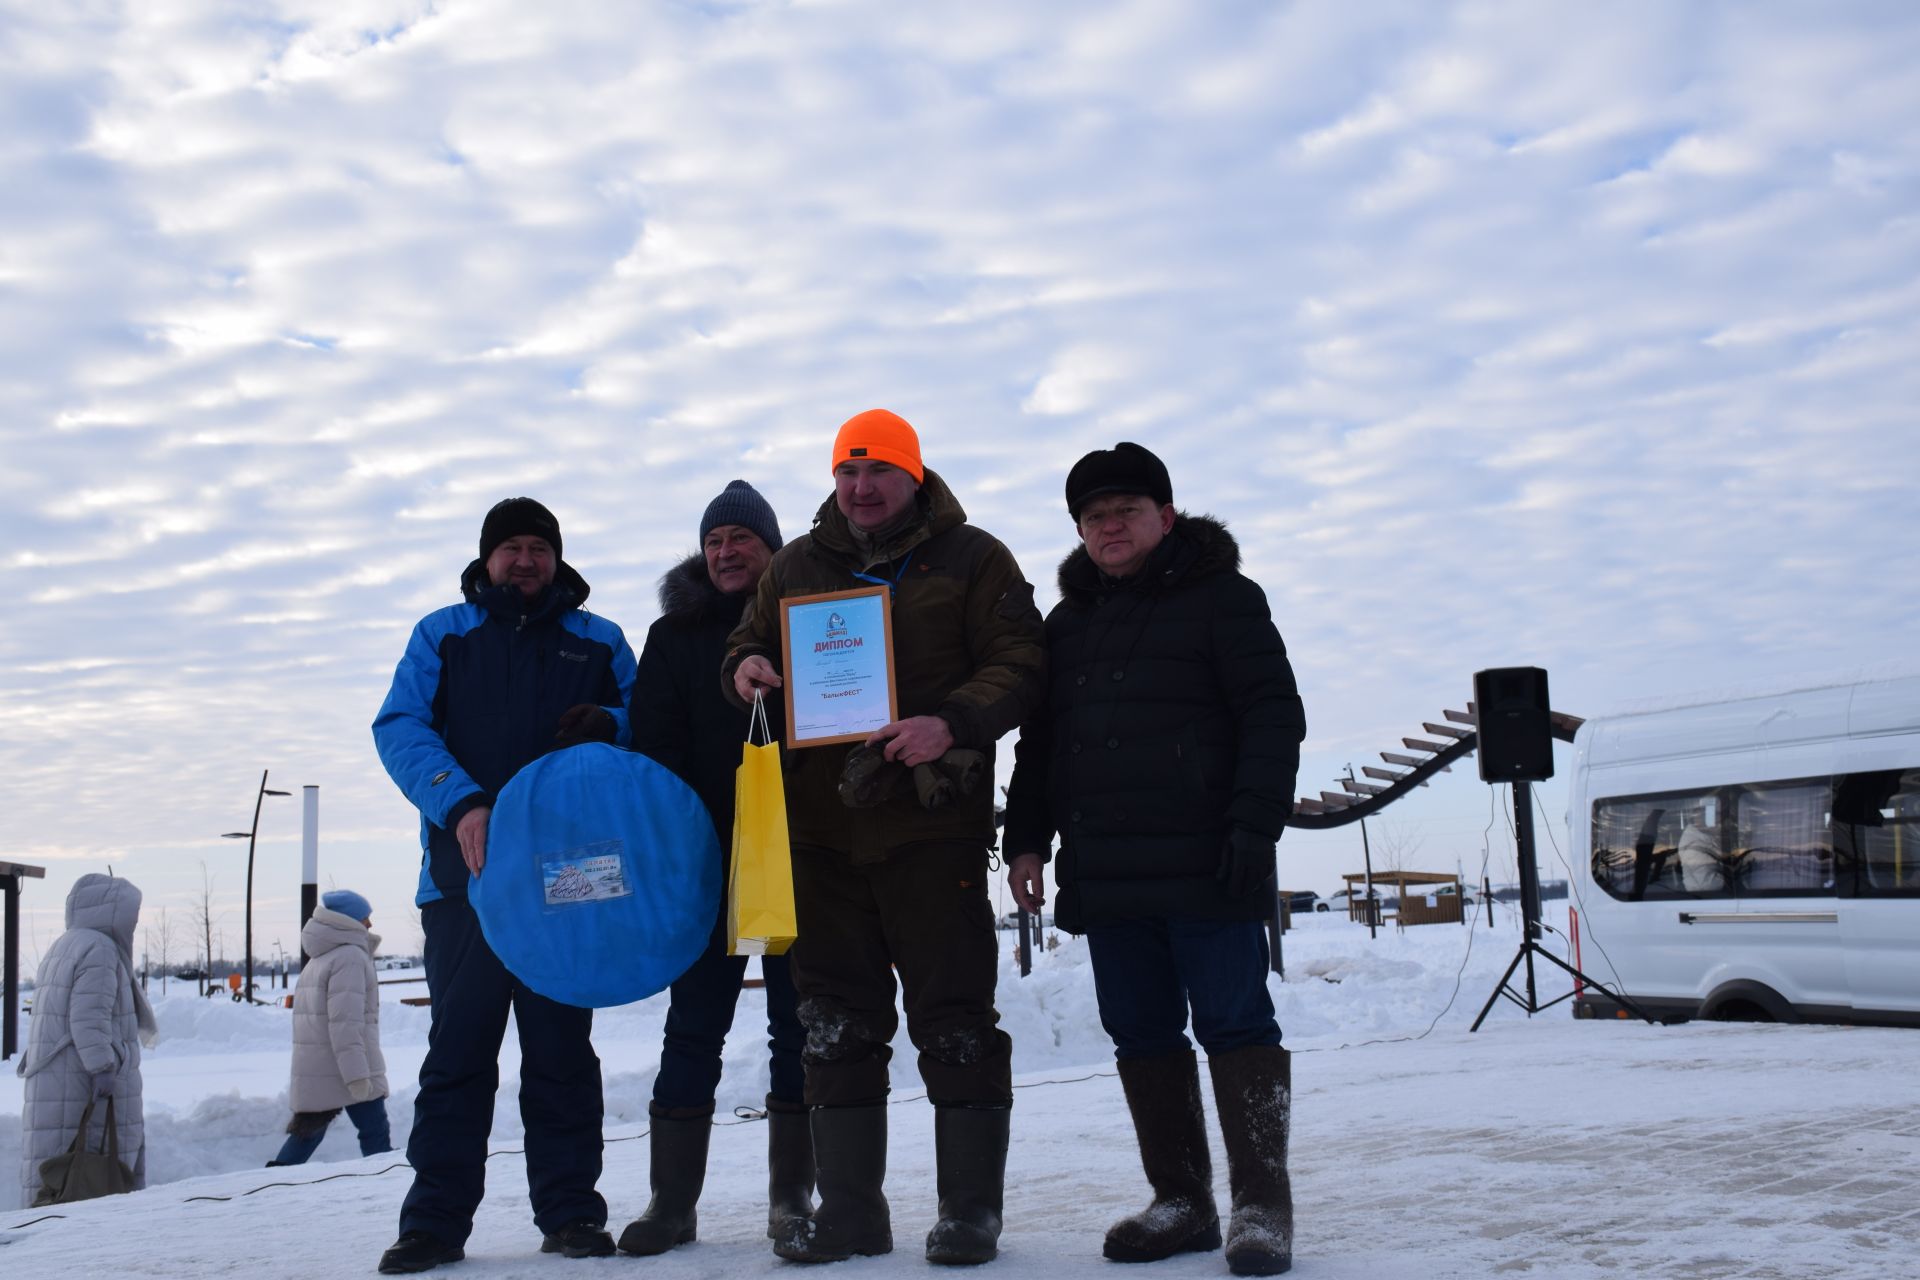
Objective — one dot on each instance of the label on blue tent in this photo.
(594, 872)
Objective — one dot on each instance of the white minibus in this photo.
(1753, 857)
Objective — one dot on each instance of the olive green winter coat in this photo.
(968, 646)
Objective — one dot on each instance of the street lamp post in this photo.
(251, 836)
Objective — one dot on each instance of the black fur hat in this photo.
(1125, 468)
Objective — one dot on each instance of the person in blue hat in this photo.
(336, 1032)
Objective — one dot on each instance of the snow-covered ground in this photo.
(1545, 1147)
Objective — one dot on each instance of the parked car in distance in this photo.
(1304, 900)
(1342, 901)
(1011, 920)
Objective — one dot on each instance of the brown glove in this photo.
(583, 722)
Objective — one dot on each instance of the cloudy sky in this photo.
(1585, 336)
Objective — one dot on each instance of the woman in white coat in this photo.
(83, 1042)
(336, 1032)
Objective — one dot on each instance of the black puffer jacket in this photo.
(1171, 716)
(680, 717)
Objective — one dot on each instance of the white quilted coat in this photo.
(86, 1018)
(336, 1016)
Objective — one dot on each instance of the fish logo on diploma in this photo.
(839, 685)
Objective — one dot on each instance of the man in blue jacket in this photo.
(517, 669)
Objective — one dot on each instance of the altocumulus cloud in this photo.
(1499, 332)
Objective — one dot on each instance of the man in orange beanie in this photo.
(883, 880)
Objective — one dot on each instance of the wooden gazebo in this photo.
(1413, 907)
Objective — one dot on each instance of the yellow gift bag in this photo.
(760, 915)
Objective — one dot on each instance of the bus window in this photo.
(1782, 843)
(1636, 845)
(1876, 832)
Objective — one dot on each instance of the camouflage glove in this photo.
(868, 778)
(951, 777)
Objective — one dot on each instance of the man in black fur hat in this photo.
(1164, 760)
(682, 719)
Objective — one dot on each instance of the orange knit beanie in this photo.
(882, 436)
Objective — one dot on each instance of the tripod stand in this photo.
(1530, 941)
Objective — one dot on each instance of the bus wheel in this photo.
(1746, 1002)
(1740, 1011)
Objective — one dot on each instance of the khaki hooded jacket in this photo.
(969, 646)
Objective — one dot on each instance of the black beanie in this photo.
(517, 517)
(740, 503)
(1125, 468)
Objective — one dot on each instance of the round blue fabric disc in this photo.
(602, 879)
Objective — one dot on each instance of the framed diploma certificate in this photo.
(839, 668)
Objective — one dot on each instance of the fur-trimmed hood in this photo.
(687, 595)
(1198, 547)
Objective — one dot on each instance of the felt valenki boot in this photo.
(789, 1165)
(676, 1173)
(970, 1153)
(850, 1158)
(1253, 1091)
(1163, 1093)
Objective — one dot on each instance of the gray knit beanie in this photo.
(740, 503)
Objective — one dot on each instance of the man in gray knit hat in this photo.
(681, 719)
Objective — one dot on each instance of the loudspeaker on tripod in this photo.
(1516, 739)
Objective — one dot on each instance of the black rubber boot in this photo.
(1253, 1090)
(850, 1154)
(970, 1150)
(418, 1251)
(676, 1173)
(1163, 1094)
(579, 1240)
(789, 1166)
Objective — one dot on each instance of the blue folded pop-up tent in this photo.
(602, 879)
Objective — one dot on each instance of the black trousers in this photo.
(560, 1100)
(923, 911)
(699, 1015)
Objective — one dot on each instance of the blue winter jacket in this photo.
(477, 697)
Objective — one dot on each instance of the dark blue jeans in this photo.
(1147, 972)
(699, 1015)
(369, 1120)
(560, 1099)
